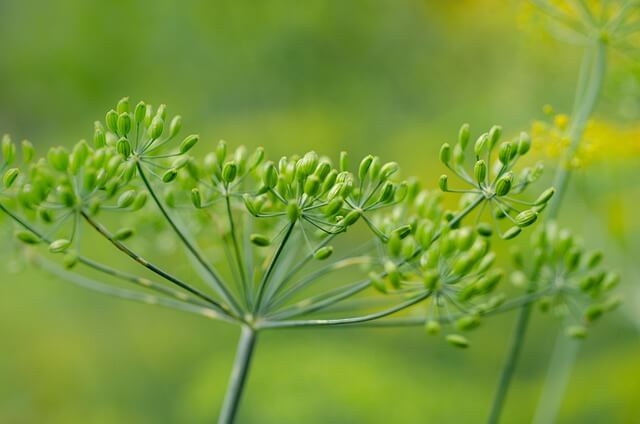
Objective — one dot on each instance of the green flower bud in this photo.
(430, 259)
(155, 128)
(70, 260)
(593, 259)
(464, 238)
(545, 196)
(504, 154)
(175, 126)
(458, 154)
(394, 244)
(126, 199)
(58, 157)
(99, 138)
(350, 219)
(611, 280)
(307, 164)
(577, 332)
(572, 259)
(334, 206)
(425, 233)
(111, 119)
(403, 231)
(432, 327)
(468, 322)
(524, 144)
(443, 183)
(139, 112)
(526, 218)
(463, 136)
(388, 169)
(511, 233)
(27, 237)
(593, 312)
(486, 262)
(123, 234)
(260, 240)
(124, 147)
(484, 229)
(401, 192)
(124, 124)
(488, 282)
(445, 154)
(250, 204)
(123, 105)
(196, 198)
(270, 175)
(323, 253)
(8, 149)
(9, 177)
(256, 158)
(27, 151)
(67, 197)
(139, 201)
(46, 215)
(344, 161)
(481, 144)
(188, 143)
(503, 185)
(462, 265)
(59, 245)
(494, 135)
(457, 340)
(293, 211)
(363, 169)
(480, 171)
(221, 151)
(229, 172)
(94, 206)
(312, 186)
(375, 169)
(169, 175)
(386, 192)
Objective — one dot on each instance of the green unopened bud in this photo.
(307, 164)
(123, 147)
(175, 126)
(59, 245)
(388, 169)
(484, 229)
(593, 312)
(394, 244)
(445, 154)
(188, 143)
(155, 128)
(250, 204)
(458, 154)
(123, 234)
(494, 135)
(139, 201)
(457, 340)
(8, 150)
(432, 327)
(577, 332)
(169, 175)
(111, 119)
(403, 231)
(468, 322)
(393, 273)
(27, 237)
(270, 175)
(70, 260)
(344, 161)
(504, 154)
(545, 196)
(334, 206)
(9, 177)
(323, 253)
(526, 218)
(463, 136)
(351, 218)
(28, 151)
(58, 157)
(386, 192)
(377, 282)
(611, 280)
(229, 171)
(481, 144)
(443, 183)
(312, 186)
(511, 233)
(99, 138)
(123, 105)
(363, 169)
(126, 199)
(524, 144)
(124, 124)
(196, 198)
(260, 240)
(503, 185)
(66, 195)
(480, 171)
(139, 112)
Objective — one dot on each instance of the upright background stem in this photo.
(589, 85)
(238, 377)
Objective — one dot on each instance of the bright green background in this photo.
(392, 77)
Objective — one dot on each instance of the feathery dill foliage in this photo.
(306, 241)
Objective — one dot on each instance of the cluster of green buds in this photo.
(572, 280)
(285, 227)
(494, 180)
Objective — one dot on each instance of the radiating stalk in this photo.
(238, 377)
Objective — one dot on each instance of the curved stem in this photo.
(585, 103)
(238, 377)
(236, 249)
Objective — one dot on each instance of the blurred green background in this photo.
(391, 77)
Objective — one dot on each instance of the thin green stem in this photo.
(236, 249)
(238, 378)
(224, 292)
(585, 103)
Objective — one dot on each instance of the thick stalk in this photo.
(238, 377)
(586, 97)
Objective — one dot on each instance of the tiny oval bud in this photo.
(123, 234)
(312, 186)
(386, 192)
(363, 169)
(124, 147)
(403, 231)
(511, 233)
(494, 135)
(463, 136)
(126, 199)
(545, 196)
(524, 144)
(503, 185)
(351, 218)
(526, 218)
(188, 143)
(175, 126)
(28, 151)
(139, 112)
(432, 327)
(445, 153)
(27, 237)
(196, 198)
(293, 211)
(260, 240)
(270, 175)
(169, 175)
(9, 177)
(484, 229)
(124, 124)
(504, 154)
(388, 169)
(344, 161)
(111, 119)
(123, 105)
(334, 206)
(481, 144)
(59, 245)
(443, 183)
(457, 340)
(323, 253)
(155, 128)
(229, 171)
(480, 171)
(139, 201)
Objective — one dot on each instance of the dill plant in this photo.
(306, 241)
